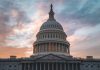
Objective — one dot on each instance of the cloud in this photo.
(11, 16)
(27, 34)
(85, 40)
(85, 11)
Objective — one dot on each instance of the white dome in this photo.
(51, 24)
(51, 38)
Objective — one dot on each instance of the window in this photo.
(91, 66)
(14, 65)
(86, 65)
(10, 66)
(98, 66)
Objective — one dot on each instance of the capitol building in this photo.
(51, 51)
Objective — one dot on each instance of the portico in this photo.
(50, 66)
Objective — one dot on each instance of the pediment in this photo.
(50, 57)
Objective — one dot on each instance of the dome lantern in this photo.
(51, 13)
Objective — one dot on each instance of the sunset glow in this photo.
(20, 20)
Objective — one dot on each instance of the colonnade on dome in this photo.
(51, 47)
(51, 34)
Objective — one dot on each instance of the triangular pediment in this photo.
(50, 57)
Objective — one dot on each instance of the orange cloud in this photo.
(78, 54)
(6, 52)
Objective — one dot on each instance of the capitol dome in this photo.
(51, 38)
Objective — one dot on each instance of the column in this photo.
(41, 48)
(72, 66)
(68, 67)
(49, 47)
(48, 66)
(44, 48)
(61, 47)
(24, 66)
(40, 65)
(65, 66)
(52, 66)
(44, 66)
(27, 66)
(64, 48)
(56, 66)
(60, 66)
(52, 47)
(76, 66)
(55, 47)
(36, 66)
(31, 66)
(35, 48)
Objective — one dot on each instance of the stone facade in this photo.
(49, 62)
(51, 52)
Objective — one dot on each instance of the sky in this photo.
(20, 20)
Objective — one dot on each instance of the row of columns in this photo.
(51, 47)
(52, 35)
(50, 66)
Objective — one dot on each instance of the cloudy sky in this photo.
(20, 20)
